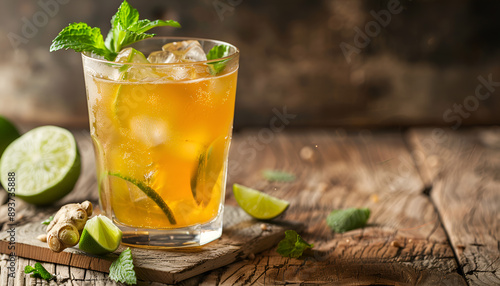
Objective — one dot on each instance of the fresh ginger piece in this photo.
(65, 230)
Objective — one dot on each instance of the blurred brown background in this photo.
(418, 64)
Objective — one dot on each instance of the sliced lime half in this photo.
(258, 204)
(44, 165)
(100, 236)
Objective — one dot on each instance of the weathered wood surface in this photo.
(464, 170)
(404, 243)
(242, 236)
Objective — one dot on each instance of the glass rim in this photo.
(218, 42)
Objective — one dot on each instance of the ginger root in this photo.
(65, 230)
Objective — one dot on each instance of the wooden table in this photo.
(434, 196)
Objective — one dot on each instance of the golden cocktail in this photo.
(161, 134)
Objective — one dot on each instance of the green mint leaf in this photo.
(278, 176)
(126, 16)
(29, 269)
(122, 269)
(43, 272)
(145, 25)
(47, 221)
(217, 52)
(132, 37)
(38, 271)
(82, 38)
(292, 245)
(126, 28)
(341, 221)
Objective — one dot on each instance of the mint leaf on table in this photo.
(341, 221)
(292, 245)
(126, 28)
(47, 221)
(38, 271)
(122, 269)
(278, 176)
(217, 52)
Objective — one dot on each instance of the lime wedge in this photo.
(8, 133)
(258, 204)
(100, 236)
(152, 194)
(44, 163)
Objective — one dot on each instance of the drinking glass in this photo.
(161, 135)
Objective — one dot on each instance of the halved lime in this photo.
(100, 236)
(8, 133)
(258, 204)
(44, 165)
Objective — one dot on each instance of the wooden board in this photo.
(242, 236)
(464, 169)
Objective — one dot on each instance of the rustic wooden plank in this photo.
(21, 278)
(242, 235)
(404, 242)
(464, 173)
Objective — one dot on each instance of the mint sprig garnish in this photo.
(122, 269)
(217, 52)
(341, 221)
(126, 28)
(38, 271)
(292, 245)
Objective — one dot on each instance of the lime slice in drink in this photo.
(130, 55)
(100, 236)
(8, 133)
(258, 204)
(44, 165)
(152, 194)
(127, 96)
(207, 172)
